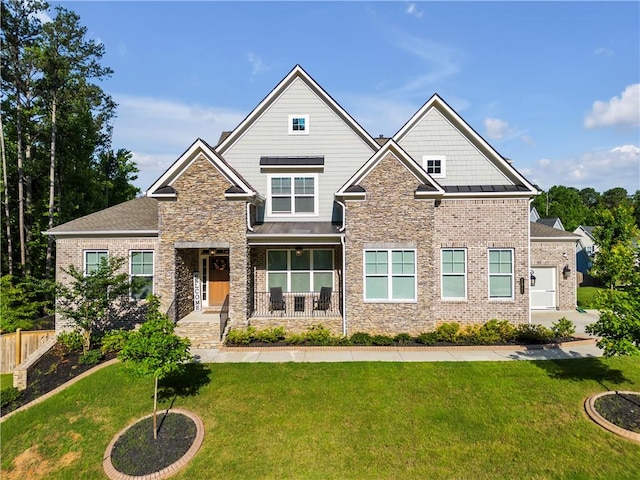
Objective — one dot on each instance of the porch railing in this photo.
(296, 304)
(224, 316)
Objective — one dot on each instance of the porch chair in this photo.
(276, 301)
(323, 302)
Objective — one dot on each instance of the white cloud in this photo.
(257, 64)
(623, 110)
(603, 51)
(495, 128)
(413, 10)
(602, 170)
(158, 130)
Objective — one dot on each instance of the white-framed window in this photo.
(390, 275)
(501, 274)
(454, 273)
(293, 194)
(92, 260)
(298, 124)
(306, 270)
(435, 165)
(141, 273)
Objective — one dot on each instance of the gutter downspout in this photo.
(344, 267)
(529, 259)
(249, 227)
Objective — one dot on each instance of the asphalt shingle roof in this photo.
(540, 230)
(139, 214)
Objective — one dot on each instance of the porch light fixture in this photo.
(212, 251)
(532, 277)
(566, 271)
(298, 251)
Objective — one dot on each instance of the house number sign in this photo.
(197, 299)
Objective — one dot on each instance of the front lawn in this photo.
(6, 380)
(348, 421)
(586, 297)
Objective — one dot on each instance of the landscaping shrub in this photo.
(490, 333)
(526, 333)
(403, 339)
(113, 341)
(361, 338)
(71, 341)
(319, 335)
(8, 396)
(447, 332)
(563, 328)
(270, 335)
(92, 357)
(239, 336)
(382, 340)
(427, 338)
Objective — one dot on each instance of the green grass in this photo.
(586, 296)
(481, 420)
(6, 380)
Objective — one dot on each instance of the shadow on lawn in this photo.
(187, 382)
(579, 369)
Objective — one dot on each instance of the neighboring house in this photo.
(585, 249)
(554, 222)
(382, 235)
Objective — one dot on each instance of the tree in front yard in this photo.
(155, 350)
(96, 299)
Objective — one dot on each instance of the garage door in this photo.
(543, 294)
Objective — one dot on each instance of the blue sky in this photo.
(553, 86)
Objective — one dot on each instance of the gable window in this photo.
(141, 272)
(501, 274)
(295, 271)
(454, 274)
(298, 124)
(434, 165)
(390, 275)
(292, 194)
(92, 260)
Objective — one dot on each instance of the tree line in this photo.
(55, 123)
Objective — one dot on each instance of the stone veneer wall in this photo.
(70, 251)
(389, 217)
(549, 254)
(479, 225)
(186, 264)
(200, 213)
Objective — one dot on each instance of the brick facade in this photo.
(200, 213)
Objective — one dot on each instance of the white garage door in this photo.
(543, 294)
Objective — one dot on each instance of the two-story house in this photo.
(300, 217)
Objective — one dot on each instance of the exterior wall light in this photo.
(566, 271)
(298, 251)
(532, 278)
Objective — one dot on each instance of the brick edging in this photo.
(589, 406)
(114, 474)
(59, 389)
(448, 348)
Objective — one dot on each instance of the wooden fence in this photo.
(16, 347)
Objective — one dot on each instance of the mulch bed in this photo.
(137, 453)
(621, 409)
(54, 368)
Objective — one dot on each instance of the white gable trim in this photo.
(411, 165)
(186, 160)
(464, 128)
(264, 105)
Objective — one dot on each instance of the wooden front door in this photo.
(218, 280)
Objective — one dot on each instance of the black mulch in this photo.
(621, 409)
(136, 452)
(55, 368)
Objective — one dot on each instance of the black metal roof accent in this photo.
(294, 161)
(426, 188)
(355, 189)
(166, 189)
(234, 189)
(484, 188)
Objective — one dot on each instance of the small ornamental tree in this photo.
(619, 322)
(155, 350)
(94, 300)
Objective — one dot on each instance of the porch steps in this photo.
(202, 333)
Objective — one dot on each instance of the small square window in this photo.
(298, 124)
(434, 165)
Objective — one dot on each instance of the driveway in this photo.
(580, 320)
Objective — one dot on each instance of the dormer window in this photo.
(298, 124)
(434, 165)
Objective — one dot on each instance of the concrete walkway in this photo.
(417, 354)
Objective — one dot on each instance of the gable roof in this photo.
(504, 165)
(428, 186)
(551, 222)
(540, 231)
(137, 217)
(296, 73)
(240, 188)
